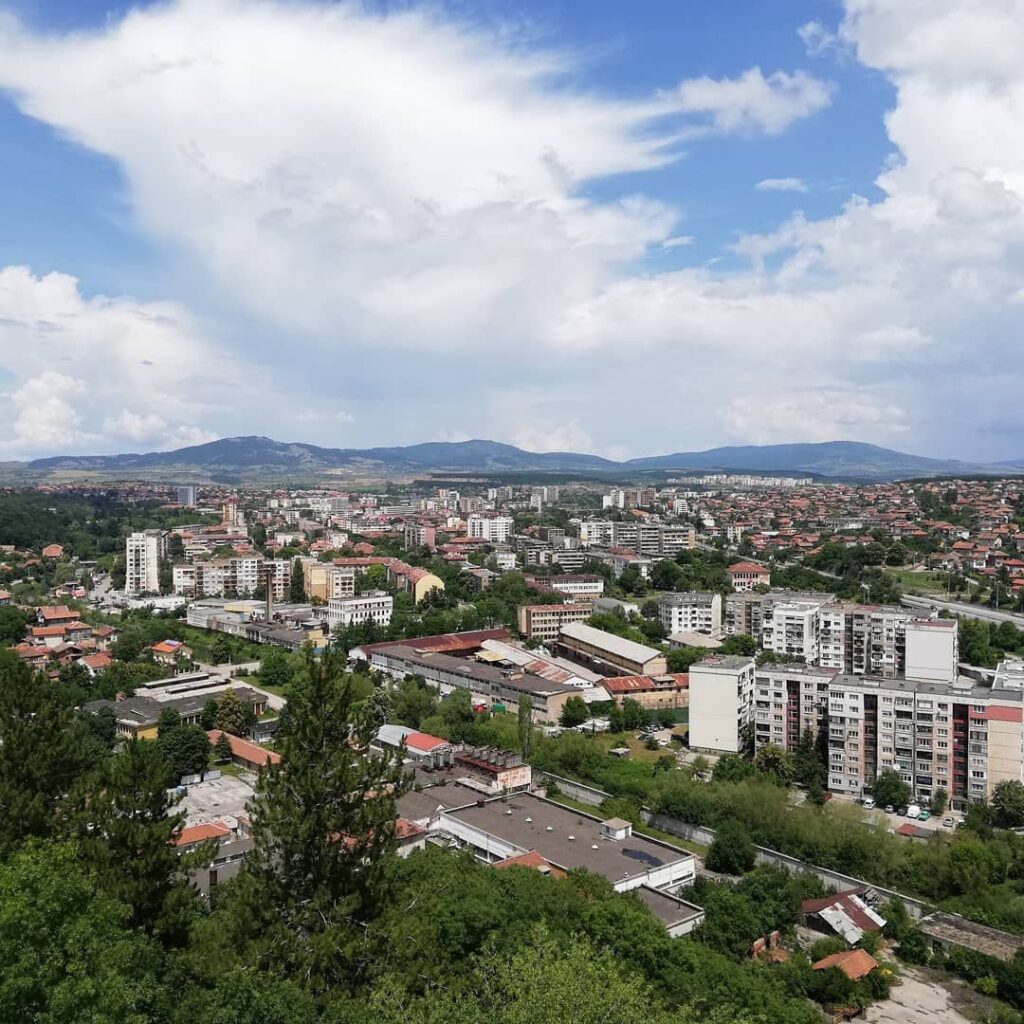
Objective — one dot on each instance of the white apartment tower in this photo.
(142, 554)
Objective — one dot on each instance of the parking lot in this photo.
(215, 799)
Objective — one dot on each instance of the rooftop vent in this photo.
(549, 829)
(594, 846)
(529, 821)
(509, 811)
(572, 839)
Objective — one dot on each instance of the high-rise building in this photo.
(721, 704)
(691, 612)
(957, 736)
(493, 529)
(187, 495)
(142, 555)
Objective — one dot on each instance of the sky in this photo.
(617, 228)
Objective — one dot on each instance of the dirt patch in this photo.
(927, 997)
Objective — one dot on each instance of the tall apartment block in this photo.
(493, 529)
(722, 704)
(858, 639)
(143, 552)
(936, 733)
(691, 611)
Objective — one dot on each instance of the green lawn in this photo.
(935, 581)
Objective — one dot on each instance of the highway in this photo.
(971, 611)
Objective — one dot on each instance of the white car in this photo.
(869, 802)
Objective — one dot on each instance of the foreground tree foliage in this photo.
(323, 832)
(325, 924)
(42, 754)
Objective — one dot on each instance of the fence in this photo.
(706, 836)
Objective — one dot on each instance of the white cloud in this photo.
(818, 39)
(553, 437)
(415, 183)
(45, 413)
(678, 241)
(781, 185)
(74, 359)
(405, 179)
(813, 414)
(753, 103)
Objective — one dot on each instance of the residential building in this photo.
(691, 611)
(957, 736)
(792, 628)
(326, 582)
(186, 495)
(747, 575)
(721, 708)
(607, 653)
(418, 535)
(413, 580)
(372, 606)
(144, 551)
(544, 621)
(492, 529)
(170, 652)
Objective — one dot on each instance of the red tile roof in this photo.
(200, 833)
(854, 963)
(251, 752)
(424, 741)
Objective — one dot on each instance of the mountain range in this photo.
(252, 456)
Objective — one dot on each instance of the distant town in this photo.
(574, 676)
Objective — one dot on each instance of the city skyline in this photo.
(396, 223)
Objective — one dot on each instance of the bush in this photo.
(732, 851)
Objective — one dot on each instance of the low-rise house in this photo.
(847, 914)
(170, 652)
(244, 753)
(854, 963)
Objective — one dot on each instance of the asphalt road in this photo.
(971, 611)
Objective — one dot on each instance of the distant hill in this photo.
(248, 457)
(852, 459)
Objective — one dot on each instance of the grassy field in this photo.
(932, 581)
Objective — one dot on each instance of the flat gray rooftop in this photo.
(670, 910)
(589, 848)
(211, 800)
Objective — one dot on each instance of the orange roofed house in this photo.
(744, 576)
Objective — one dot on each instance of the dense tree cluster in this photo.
(324, 924)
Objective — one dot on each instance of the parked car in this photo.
(869, 802)
(948, 821)
(902, 811)
(924, 815)
(961, 823)
(889, 808)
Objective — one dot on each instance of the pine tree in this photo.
(525, 724)
(41, 753)
(297, 585)
(222, 749)
(125, 827)
(231, 714)
(323, 831)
